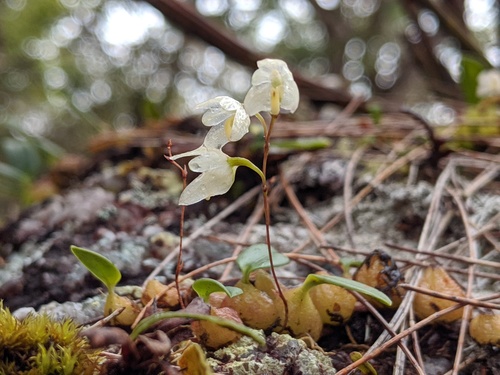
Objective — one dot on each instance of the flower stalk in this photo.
(267, 215)
(273, 91)
(180, 263)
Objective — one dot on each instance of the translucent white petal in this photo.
(271, 72)
(215, 111)
(218, 111)
(229, 104)
(215, 102)
(210, 160)
(258, 99)
(215, 116)
(208, 184)
(261, 76)
(266, 66)
(200, 150)
(241, 124)
(282, 68)
(290, 100)
(216, 137)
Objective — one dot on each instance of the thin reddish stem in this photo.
(179, 265)
(267, 215)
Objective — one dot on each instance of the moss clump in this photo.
(39, 345)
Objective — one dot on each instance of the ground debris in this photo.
(283, 355)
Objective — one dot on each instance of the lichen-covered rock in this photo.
(283, 355)
(80, 312)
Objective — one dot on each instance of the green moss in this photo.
(39, 345)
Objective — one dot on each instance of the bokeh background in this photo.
(70, 69)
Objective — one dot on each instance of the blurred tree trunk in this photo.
(192, 23)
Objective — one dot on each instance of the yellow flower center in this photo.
(276, 92)
(228, 126)
(276, 80)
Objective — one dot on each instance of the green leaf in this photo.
(468, 79)
(301, 144)
(21, 154)
(375, 111)
(99, 266)
(13, 173)
(256, 257)
(14, 182)
(313, 280)
(48, 149)
(226, 323)
(205, 287)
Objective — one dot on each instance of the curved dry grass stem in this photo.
(199, 270)
(470, 280)
(345, 114)
(416, 342)
(463, 300)
(424, 262)
(316, 235)
(380, 349)
(386, 325)
(349, 176)
(484, 178)
(471, 358)
(458, 258)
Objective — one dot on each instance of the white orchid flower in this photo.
(227, 118)
(217, 173)
(273, 88)
(488, 83)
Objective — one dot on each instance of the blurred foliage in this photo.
(468, 79)
(72, 68)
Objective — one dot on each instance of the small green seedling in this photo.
(205, 287)
(301, 144)
(314, 279)
(99, 266)
(257, 257)
(105, 271)
(470, 69)
(226, 323)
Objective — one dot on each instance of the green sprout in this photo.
(226, 323)
(99, 266)
(204, 287)
(103, 270)
(314, 280)
(256, 257)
